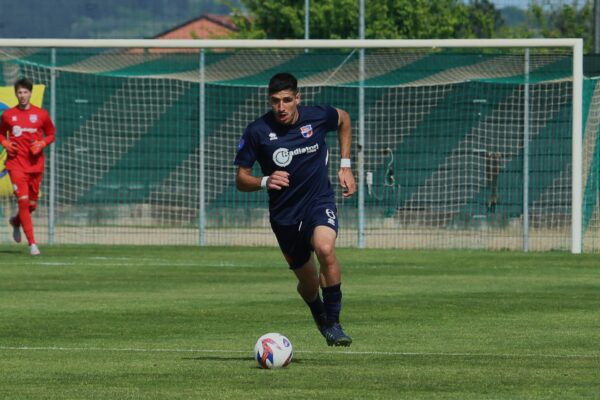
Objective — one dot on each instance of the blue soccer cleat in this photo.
(335, 336)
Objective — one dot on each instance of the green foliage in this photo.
(336, 19)
(330, 19)
(567, 21)
(484, 20)
(385, 19)
(284, 19)
(414, 19)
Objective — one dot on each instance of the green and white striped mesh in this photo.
(443, 149)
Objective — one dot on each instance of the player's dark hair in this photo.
(24, 83)
(283, 81)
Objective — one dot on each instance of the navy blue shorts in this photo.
(294, 240)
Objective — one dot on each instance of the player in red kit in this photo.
(24, 132)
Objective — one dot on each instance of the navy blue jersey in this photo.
(298, 149)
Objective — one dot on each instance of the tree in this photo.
(385, 19)
(414, 19)
(567, 21)
(484, 20)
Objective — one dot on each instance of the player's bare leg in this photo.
(308, 281)
(308, 288)
(323, 242)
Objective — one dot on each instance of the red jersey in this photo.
(23, 127)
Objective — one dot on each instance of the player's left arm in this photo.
(345, 137)
(49, 136)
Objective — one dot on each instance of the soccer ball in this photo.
(273, 350)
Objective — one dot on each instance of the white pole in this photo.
(361, 131)
(202, 131)
(290, 44)
(526, 156)
(577, 156)
(306, 20)
(52, 155)
(597, 26)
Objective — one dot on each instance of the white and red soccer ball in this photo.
(273, 350)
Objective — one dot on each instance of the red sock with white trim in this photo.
(25, 218)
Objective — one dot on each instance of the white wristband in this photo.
(263, 182)
(345, 163)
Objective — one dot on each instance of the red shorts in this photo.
(26, 184)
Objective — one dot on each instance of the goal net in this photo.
(452, 147)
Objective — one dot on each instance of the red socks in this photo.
(24, 218)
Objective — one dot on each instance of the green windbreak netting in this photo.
(444, 144)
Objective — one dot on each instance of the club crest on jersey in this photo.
(17, 131)
(306, 131)
(14, 118)
(33, 118)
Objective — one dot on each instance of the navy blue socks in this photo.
(317, 310)
(332, 299)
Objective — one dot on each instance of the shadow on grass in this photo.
(217, 358)
(230, 358)
(12, 251)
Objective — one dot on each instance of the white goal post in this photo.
(573, 45)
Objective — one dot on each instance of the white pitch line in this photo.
(55, 263)
(108, 349)
(345, 352)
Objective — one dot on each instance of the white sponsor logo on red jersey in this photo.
(18, 131)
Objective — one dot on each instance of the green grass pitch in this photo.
(93, 322)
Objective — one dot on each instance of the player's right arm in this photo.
(245, 159)
(246, 182)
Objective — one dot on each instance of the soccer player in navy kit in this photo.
(289, 144)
